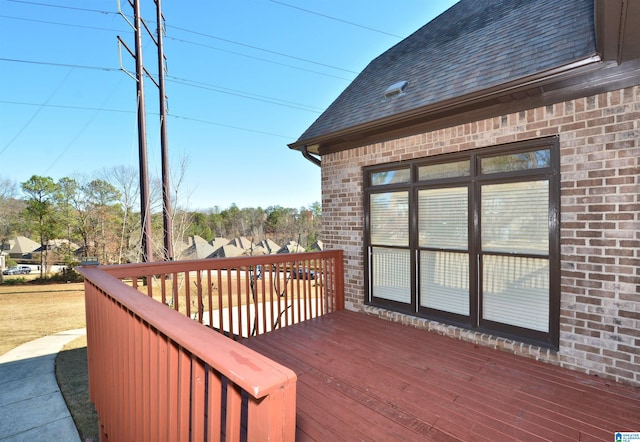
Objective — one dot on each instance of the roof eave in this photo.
(521, 88)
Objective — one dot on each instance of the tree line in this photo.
(101, 215)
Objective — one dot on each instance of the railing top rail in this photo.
(254, 373)
(164, 267)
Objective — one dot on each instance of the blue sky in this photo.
(245, 78)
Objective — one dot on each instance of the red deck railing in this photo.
(157, 374)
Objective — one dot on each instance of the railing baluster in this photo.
(173, 382)
(214, 399)
(198, 411)
(238, 306)
(296, 293)
(184, 390)
(145, 384)
(229, 304)
(263, 298)
(234, 412)
(272, 288)
(187, 294)
(200, 302)
(220, 302)
(161, 416)
(248, 298)
(149, 280)
(176, 295)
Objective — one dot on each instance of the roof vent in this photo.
(396, 89)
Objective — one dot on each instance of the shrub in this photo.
(14, 281)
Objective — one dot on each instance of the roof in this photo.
(475, 50)
(228, 251)
(198, 250)
(241, 242)
(218, 242)
(22, 245)
(291, 247)
(269, 245)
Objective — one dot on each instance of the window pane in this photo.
(537, 159)
(444, 281)
(443, 218)
(389, 214)
(390, 177)
(445, 170)
(515, 291)
(515, 217)
(391, 274)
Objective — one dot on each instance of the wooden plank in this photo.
(360, 377)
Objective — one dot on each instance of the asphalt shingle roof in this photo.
(474, 45)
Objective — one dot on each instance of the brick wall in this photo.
(600, 231)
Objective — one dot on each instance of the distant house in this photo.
(228, 251)
(291, 247)
(218, 242)
(22, 247)
(56, 244)
(269, 245)
(317, 246)
(198, 250)
(482, 178)
(241, 242)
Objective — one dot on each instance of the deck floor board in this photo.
(363, 378)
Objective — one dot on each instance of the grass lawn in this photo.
(31, 311)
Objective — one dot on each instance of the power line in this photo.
(178, 117)
(35, 114)
(233, 127)
(63, 7)
(95, 28)
(260, 59)
(336, 19)
(242, 94)
(66, 65)
(187, 82)
(202, 34)
(207, 46)
(63, 106)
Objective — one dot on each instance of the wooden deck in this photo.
(363, 378)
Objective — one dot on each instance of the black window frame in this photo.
(474, 181)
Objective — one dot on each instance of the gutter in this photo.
(309, 156)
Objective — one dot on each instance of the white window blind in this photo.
(515, 291)
(515, 217)
(444, 281)
(391, 270)
(443, 218)
(389, 214)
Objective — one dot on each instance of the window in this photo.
(470, 239)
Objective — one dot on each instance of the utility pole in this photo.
(145, 206)
(166, 189)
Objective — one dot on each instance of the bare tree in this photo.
(10, 208)
(181, 218)
(125, 180)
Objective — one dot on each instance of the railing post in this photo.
(273, 418)
(339, 280)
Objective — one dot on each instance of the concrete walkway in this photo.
(31, 406)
